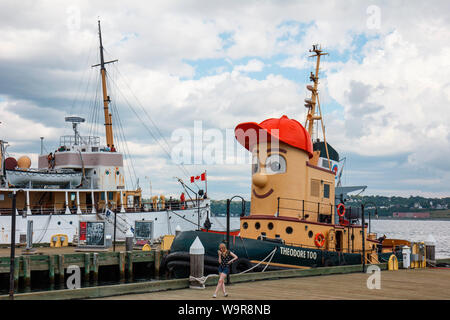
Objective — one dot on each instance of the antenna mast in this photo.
(313, 102)
(106, 99)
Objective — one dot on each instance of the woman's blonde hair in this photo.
(223, 245)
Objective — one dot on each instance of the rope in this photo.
(203, 279)
(271, 254)
(45, 228)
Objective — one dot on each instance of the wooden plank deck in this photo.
(402, 284)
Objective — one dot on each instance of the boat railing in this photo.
(306, 208)
(69, 141)
(60, 208)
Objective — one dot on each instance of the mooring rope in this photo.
(203, 279)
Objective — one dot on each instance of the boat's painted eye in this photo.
(275, 163)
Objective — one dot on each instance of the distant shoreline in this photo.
(413, 219)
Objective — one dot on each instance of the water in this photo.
(417, 230)
(412, 230)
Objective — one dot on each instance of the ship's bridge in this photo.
(101, 166)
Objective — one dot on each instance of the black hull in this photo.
(250, 252)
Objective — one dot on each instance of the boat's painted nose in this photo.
(259, 180)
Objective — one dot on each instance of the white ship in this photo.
(85, 181)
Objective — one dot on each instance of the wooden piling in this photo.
(27, 273)
(61, 270)
(51, 271)
(95, 267)
(122, 266)
(87, 260)
(16, 272)
(157, 262)
(130, 265)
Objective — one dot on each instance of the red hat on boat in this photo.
(286, 130)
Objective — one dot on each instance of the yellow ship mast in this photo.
(312, 102)
(106, 99)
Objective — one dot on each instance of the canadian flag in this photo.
(201, 177)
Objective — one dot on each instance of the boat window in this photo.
(72, 196)
(325, 164)
(315, 188)
(110, 195)
(310, 234)
(289, 230)
(326, 190)
(102, 196)
(270, 226)
(245, 225)
(275, 164)
(257, 225)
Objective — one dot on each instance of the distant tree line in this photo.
(386, 205)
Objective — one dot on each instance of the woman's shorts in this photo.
(225, 270)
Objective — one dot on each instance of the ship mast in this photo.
(106, 99)
(313, 104)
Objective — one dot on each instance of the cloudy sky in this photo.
(385, 85)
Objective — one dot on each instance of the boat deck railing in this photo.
(69, 141)
(60, 208)
(305, 208)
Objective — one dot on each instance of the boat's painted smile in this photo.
(262, 196)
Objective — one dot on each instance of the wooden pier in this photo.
(415, 284)
(56, 260)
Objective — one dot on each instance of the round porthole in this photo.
(257, 225)
(107, 172)
(245, 225)
(310, 234)
(270, 226)
(352, 237)
(289, 230)
(59, 222)
(117, 172)
(70, 222)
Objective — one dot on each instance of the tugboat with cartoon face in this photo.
(297, 217)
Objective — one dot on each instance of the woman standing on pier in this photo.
(226, 258)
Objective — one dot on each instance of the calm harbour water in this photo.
(412, 230)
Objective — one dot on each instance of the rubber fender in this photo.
(186, 265)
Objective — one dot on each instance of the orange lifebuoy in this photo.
(341, 209)
(319, 240)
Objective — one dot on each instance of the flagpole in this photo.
(206, 185)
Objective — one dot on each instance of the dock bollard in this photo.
(406, 253)
(197, 254)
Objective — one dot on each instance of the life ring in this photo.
(319, 242)
(341, 209)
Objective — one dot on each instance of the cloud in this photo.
(253, 65)
(384, 91)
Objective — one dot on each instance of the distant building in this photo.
(420, 215)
